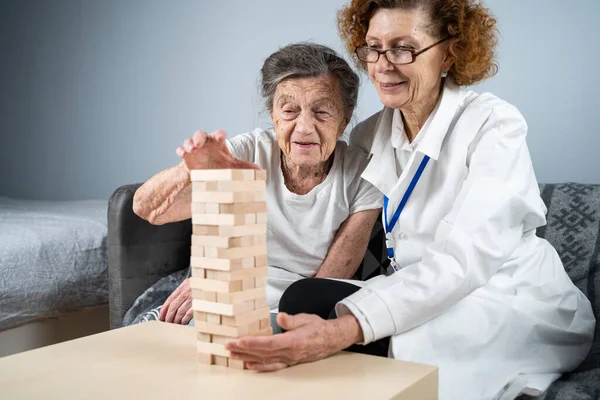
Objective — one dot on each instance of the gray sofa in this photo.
(140, 254)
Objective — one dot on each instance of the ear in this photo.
(448, 60)
(343, 126)
(446, 65)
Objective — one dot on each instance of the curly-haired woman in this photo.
(472, 289)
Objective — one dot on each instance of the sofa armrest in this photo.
(139, 253)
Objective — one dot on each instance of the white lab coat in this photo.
(478, 294)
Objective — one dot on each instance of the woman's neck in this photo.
(301, 180)
(415, 116)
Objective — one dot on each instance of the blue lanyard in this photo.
(389, 226)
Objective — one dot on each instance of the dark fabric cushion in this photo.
(139, 253)
(573, 229)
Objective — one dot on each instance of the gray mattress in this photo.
(52, 258)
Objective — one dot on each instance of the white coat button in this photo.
(402, 236)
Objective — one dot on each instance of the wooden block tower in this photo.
(229, 260)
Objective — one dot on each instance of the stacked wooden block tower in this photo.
(229, 260)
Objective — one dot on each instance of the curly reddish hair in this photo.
(471, 26)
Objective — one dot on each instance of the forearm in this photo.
(349, 246)
(166, 197)
(340, 265)
(346, 331)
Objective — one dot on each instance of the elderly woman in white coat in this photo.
(472, 289)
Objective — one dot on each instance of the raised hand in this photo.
(209, 151)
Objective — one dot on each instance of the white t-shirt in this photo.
(300, 228)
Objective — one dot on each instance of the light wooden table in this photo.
(158, 361)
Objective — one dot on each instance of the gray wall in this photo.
(96, 94)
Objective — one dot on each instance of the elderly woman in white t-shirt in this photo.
(320, 210)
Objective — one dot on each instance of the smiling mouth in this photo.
(305, 145)
(390, 84)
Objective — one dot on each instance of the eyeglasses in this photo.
(397, 55)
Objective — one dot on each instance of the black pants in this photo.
(319, 296)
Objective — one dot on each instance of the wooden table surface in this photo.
(158, 361)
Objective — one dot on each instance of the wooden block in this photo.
(246, 318)
(261, 260)
(223, 219)
(213, 318)
(222, 339)
(240, 297)
(212, 285)
(198, 208)
(209, 241)
(260, 282)
(237, 364)
(198, 273)
(223, 330)
(232, 186)
(204, 230)
(222, 309)
(206, 359)
(244, 241)
(254, 327)
(260, 175)
(242, 208)
(227, 197)
(204, 337)
(265, 323)
(199, 242)
(234, 252)
(230, 231)
(222, 361)
(260, 239)
(214, 208)
(248, 283)
(221, 264)
(197, 251)
(264, 332)
(199, 316)
(212, 348)
(209, 296)
(260, 303)
(237, 275)
(243, 230)
(222, 175)
(261, 218)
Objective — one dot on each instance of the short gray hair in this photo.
(307, 60)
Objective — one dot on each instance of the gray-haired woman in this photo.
(320, 211)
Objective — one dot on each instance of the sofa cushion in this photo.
(573, 229)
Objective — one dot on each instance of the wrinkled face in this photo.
(411, 85)
(308, 115)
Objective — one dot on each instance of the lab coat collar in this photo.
(435, 129)
(381, 171)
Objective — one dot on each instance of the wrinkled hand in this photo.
(178, 307)
(204, 151)
(308, 338)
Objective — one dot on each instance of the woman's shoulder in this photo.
(256, 137)
(490, 106)
(247, 145)
(362, 134)
(353, 159)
